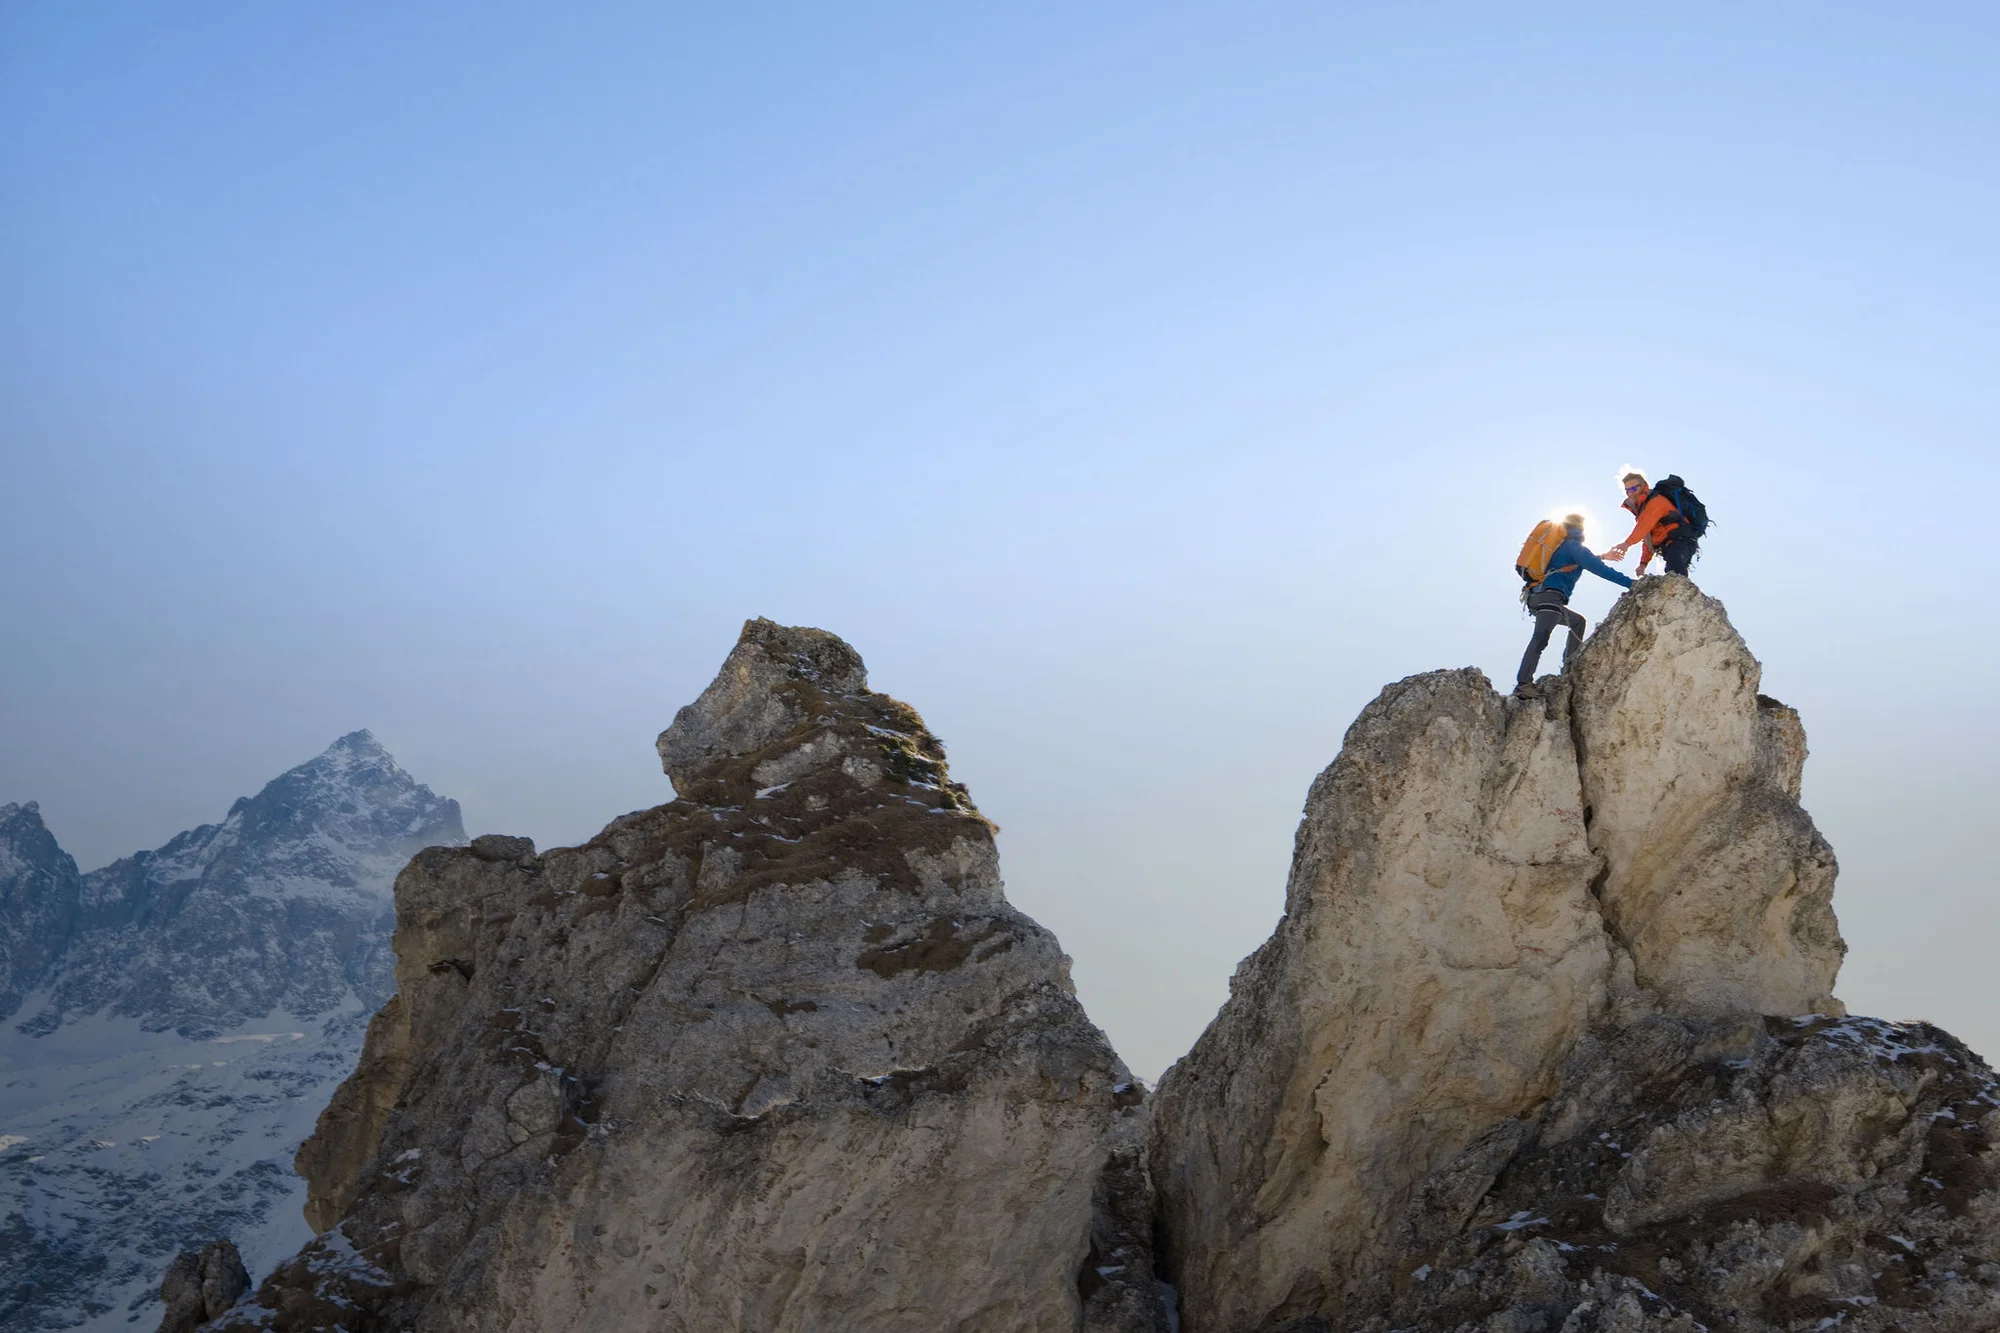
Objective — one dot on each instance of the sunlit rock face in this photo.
(1440, 955)
(1546, 1038)
(776, 1056)
(1717, 883)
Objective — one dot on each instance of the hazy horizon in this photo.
(1138, 391)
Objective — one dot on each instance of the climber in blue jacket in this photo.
(1548, 601)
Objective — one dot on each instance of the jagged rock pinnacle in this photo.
(777, 1055)
(1516, 931)
(1716, 881)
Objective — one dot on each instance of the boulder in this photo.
(201, 1285)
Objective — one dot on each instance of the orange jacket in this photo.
(1657, 520)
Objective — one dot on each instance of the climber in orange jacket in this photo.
(1660, 528)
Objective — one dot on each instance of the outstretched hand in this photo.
(1614, 555)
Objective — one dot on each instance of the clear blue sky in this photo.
(1139, 387)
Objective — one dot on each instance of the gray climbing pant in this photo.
(1550, 608)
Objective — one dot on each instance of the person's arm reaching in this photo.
(1602, 570)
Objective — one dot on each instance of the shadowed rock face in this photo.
(776, 1056)
(1517, 933)
(40, 900)
(1751, 1174)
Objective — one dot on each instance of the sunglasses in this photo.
(1630, 489)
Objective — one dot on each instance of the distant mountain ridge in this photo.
(170, 1024)
(291, 888)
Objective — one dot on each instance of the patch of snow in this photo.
(266, 1037)
(877, 1080)
(1519, 1220)
(765, 793)
(1885, 1039)
(336, 1254)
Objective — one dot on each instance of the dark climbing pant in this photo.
(1679, 554)
(1550, 609)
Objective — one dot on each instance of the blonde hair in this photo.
(1634, 474)
(1573, 521)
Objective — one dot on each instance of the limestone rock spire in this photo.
(777, 1055)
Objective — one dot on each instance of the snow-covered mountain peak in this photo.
(352, 803)
(355, 760)
(173, 1020)
(279, 905)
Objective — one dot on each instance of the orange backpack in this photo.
(1533, 562)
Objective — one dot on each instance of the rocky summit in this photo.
(777, 1055)
(1546, 1039)
(1545, 1042)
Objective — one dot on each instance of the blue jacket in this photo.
(1566, 566)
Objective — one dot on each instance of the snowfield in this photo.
(123, 1146)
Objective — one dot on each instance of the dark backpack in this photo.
(1693, 512)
